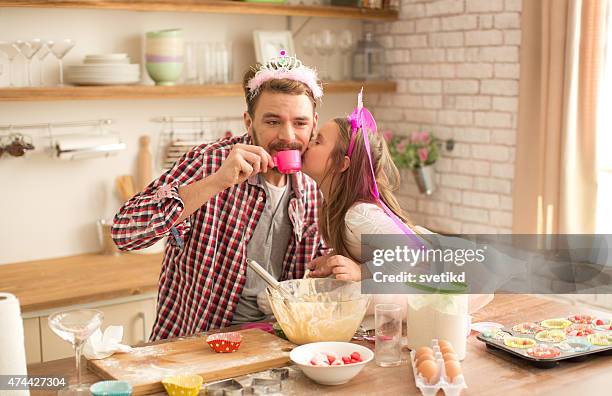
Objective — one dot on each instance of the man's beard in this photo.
(277, 145)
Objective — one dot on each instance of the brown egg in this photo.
(444, 344)
(423, 358)
(423, 350)
(447, 349)
(429, 370)
(450, 356)
(453, 370)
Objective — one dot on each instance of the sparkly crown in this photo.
(285, 67)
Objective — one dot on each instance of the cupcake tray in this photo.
(502, 341)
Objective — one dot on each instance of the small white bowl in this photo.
(330, 375)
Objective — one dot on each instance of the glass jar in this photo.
(368, 59)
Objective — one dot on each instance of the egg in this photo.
(453, 370)
(423, 350)
(423, 358)
(429, 370)
(447, 349)
(450, 356)
(444, 344)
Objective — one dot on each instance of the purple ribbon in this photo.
(362, 119)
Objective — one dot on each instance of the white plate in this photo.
(106, 56)
(104, 82)
(106, 61)
(105, 67)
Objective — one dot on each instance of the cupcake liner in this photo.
(224, 342)
(183, 385)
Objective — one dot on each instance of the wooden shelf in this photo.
(212, 6)
(176, 92)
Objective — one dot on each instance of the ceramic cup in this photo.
(288, 161)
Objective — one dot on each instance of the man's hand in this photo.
(243, 161)
(341, 267)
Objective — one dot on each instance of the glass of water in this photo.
(388, 318)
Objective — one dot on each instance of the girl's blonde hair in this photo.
(355, 184)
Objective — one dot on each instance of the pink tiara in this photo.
(285, 67)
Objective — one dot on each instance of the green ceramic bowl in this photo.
(165, 73)
(165, 33)
(111, 388)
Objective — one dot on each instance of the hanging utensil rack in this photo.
(180, 134)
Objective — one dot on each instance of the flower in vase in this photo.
(401, 146)
(387, 135)
(423, 153)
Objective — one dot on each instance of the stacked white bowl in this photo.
(164, 55)
(104, 69)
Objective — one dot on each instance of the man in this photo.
(224, 202)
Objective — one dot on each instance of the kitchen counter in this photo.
(48, 284)
(485, 373)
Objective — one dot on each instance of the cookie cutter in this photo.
(229, 387)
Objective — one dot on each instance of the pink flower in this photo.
(401, 146)
(387, 135)
(419, 137)
(423, 153)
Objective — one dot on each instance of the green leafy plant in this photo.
(414, 151)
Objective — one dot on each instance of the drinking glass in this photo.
(28, 49)
(41, 56)
(325, 45)
(388, 332)
(11, 52)
(206, 63)
(191, 68)
(345, 43)
(76, 326)
(59, 50)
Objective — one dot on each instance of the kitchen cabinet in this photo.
(136, 317)
(31, 333)
(124, 288)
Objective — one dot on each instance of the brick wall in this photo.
(456, 63)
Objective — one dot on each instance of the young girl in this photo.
(339, 161)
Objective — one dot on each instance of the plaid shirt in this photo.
(204, 267)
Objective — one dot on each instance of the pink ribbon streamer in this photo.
(361, 118)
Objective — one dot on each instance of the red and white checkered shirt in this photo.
(204, 267)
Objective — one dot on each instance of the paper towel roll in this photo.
(12, 347)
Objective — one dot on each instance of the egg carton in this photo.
(449, 388)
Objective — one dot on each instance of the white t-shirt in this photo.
(367, 218)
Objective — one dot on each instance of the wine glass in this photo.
(345, 43)
(59, 50)
(325, 43)
(11, 52)
(309, 44)
(28, 49)
(41, 56)
(76, 326)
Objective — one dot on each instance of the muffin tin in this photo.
(546, 343)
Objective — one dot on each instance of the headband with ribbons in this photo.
(362, 119)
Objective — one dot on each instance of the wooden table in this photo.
(61, 282)
(485, 374)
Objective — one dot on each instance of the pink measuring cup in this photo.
(288, 161)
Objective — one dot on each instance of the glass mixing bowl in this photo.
(324, 309)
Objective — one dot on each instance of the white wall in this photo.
(48, 208)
